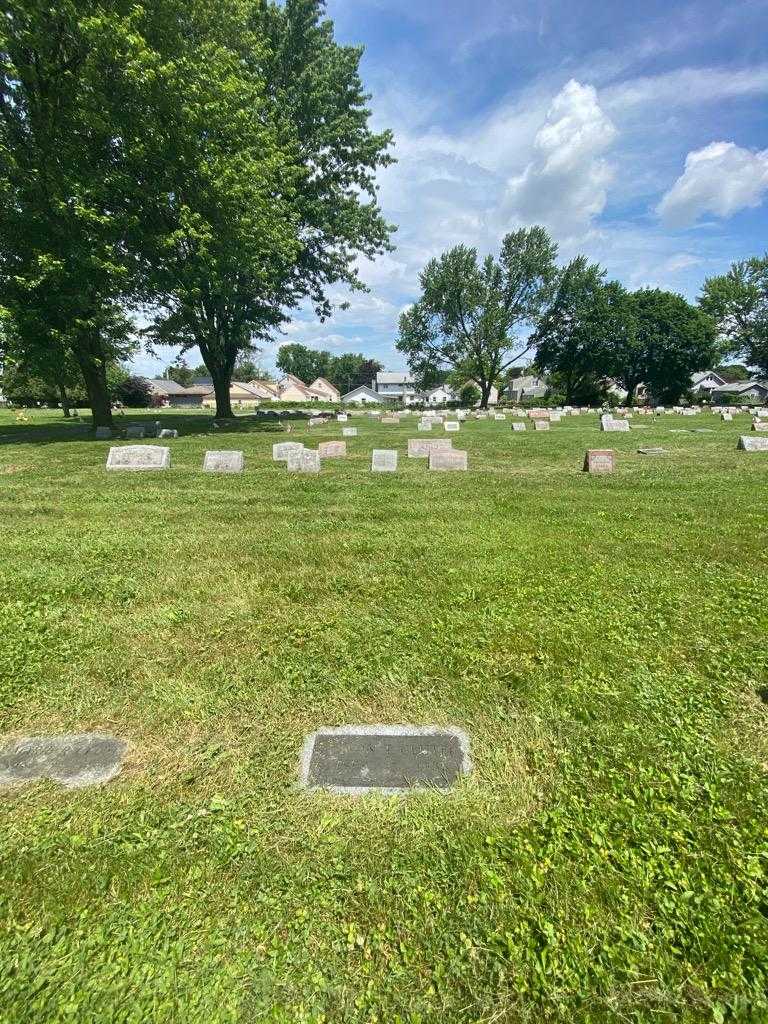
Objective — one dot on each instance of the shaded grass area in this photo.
(602, 641)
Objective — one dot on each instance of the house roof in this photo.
(161, 386)
(196, 389)
(384, 377)
(264, 388)
(324, 383)
(697, 378)
(737, 387)
(363, 388)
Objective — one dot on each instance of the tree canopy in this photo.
(471, 314)
(738, 303)
(345, 371)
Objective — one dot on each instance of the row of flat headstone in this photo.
(138, 431)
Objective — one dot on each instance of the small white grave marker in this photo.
(305, 461)
(447, 460)
(541, 424)
(223, 462)
(748, 443)
(518, 426)
(451, 426)
(608, 423)
(138, 457)
(349, 432)
(383, 460)
(282, 451)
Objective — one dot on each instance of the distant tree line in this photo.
(477, 319)
(210, 165)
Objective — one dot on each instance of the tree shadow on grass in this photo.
(188, 426)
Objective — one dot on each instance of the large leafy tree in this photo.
(305, 363)
(280, 201)
(478, 318)
(667, 340)
(738, 302)
(586, 318)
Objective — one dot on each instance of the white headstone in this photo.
(499, 416)
(541, 424)
(518, 426)
(139, 456)
(726, 417)
(316, 421)
(223, 462)
(285, 449)
(341, 417)
(608, 423)
(305, 461)
(349, 432)
(424, 425)
(420, 449)
(134, 430)
(451, 426)
(383, 460)
(447, 460)
(749, 443)
(168, 433)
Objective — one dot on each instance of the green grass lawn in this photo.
(602, 640)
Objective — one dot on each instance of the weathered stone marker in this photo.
(390, 759)
(517, 426)
(418, 449)
(760, 425)
(341, 417)
(447, 460)
(282, 451)
(608, 423)
(726, 417)
(74, 759)
(451, 426)
(389, 420)
(305, 461)
(541, 424)
(332, 449)
(223, 462)
(168, 433)
(134, 430)
(139, 456)
(752, 444)
(499, 416)
(383, 460)
(349, 432)
(599, 461)
(652, 451)
(424, 425)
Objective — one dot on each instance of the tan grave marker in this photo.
(419, 448)
(541, 424)
(599, 461)
(332, 449)
(451, 426)
(447, 460)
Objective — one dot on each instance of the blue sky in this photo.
(637, 133)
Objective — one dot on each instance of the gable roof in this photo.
(324, 383)
(161, 386)
(737, 387)
(384, 377)
(363, 388)
(697, 378)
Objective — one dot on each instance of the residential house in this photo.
(162, 389)
(527, 386)
(440, 395)
(706, 380)
(294, 390)
(741, 392)
(324, 387)
(362, 396)
(397, 387)
(240, 395)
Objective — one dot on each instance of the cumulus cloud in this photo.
(565, 184)
(719, 179)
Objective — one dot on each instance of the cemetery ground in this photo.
(601, 640)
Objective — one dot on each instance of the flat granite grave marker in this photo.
(135, 430)
(223, 462)
(541, 424)
(316, 421)
(499, 416)
(424, 425)
(332, 449)
(341, 417)
(420, 449)
(390, 421)
(383, 460)
(282, 451)
(139, 456)
(305, 461)
(599, 461)
(451, 426)
(752, 444)
(349, 432)
(73, 759)
(390, 759)
(448, 460)
(518, 426)
(652, 451)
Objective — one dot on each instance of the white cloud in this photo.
(565, 184)
(719, 179)
(685, 87)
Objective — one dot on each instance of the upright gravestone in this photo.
(390, 421)
(451, 426)
(134, 430)
(349, 432)
(541, 424)
(352, 760)
(609, 424)
(761, 426)
(332, 449)
(749, 443)
(424, 425)
(383, 460)
(162, 434)
(448, 460)
(282, 451)
(305, 461)
(139, 456)
(420, 449)
(518, 426)
(316, 421)
(599, 461)
(499, 416)
(341, 417)
(726, 417)
(223, 462)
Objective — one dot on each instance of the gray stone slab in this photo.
(383, 460)
(424, 425)
(419, 448)
(73, 759)
(652, 451)
(349, 431)
(518, 426)
(451, 426)
(332, 449)
(541, 424)
(139, 457)
(448, 460)
(305, 461)
(134, 430)
(608, 423)
(223, 462)
(285, 449)
(389, 759)
(750, 443)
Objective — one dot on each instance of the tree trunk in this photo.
(630, 393)
(64, 401)
(221, 384)
(485, 393)
(95, 376)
